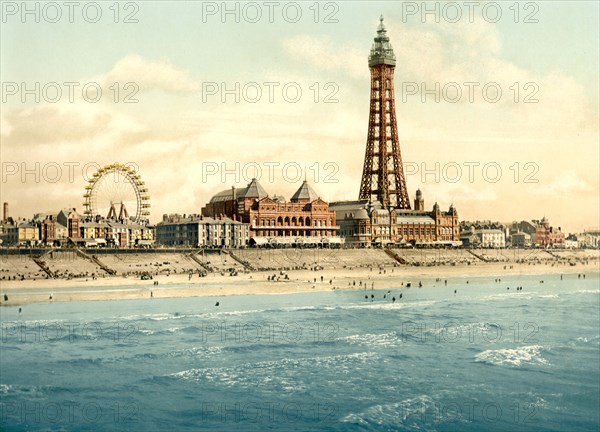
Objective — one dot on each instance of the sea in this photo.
(480, 354)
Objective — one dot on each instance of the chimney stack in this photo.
(5, 213)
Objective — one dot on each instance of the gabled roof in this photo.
(305, 192)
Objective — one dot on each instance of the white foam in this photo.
(269, 372)
(395, 411)
(597, 291)
(513, 356)
(373, 340)
(390, 306)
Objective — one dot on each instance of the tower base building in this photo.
(365, 224)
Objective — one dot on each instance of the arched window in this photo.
(279, 221)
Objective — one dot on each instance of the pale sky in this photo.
(532, 153)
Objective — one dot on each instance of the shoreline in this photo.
(253, 283)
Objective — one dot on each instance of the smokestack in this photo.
(5, 212)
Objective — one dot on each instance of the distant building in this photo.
(139, 235)
(48, 230)
(571, 242)
(520, 239)
(70, 219)
(201, 231)
(60, 232)
(9, 234)
(306, 217)
(117, 234)
(94, 229)
(541, 233)
(29, 234)
(363, 223)
(589, 239)
(483, 237)
(547, 236)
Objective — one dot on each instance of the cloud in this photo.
(323, 54)
(58, 123)
(149, 75)
(567, 182)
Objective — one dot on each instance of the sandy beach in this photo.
(288, 272)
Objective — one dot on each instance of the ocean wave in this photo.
(279, 373)
(513, 356)
(383, 340)
(391, 306)
(505, 296)
(410, 412)
(303, 308)
(33, 392)
(585, 340)
(587, 291)
(203, 351)
(455, 328)
(520, 295)
(180, 315)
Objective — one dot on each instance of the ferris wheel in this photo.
(117, 192)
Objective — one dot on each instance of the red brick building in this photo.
(48, 230)
(306, 215)
(547, 236)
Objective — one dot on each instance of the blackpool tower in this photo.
(383, 174)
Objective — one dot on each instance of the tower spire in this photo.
(382, 51)
(383, 174)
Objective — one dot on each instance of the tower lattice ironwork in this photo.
(383, 173)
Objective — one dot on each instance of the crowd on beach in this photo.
(23, 267)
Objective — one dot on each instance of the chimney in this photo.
(5, 212)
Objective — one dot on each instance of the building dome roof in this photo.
(253, 190)
(361, 214)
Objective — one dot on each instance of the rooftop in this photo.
(305, 192)
(253, 190)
